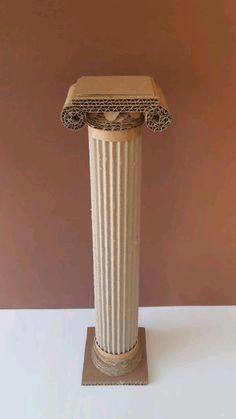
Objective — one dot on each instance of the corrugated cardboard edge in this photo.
(152, 106)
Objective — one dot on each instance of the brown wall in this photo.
(188, 253)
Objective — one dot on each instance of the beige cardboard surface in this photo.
(114, 136)
(115, 174)
(115, 86)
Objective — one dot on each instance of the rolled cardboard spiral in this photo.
(81, 109)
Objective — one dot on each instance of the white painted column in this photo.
(115, 170)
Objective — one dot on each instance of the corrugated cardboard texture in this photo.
(115, 173)
(120, 94)
(92, 376)
(188, 173)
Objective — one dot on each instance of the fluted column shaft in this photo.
(115, 170)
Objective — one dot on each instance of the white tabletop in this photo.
(191, 357)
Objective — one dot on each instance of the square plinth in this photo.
(116, 86)
(92, 376)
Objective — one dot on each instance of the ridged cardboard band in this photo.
(115, 136)
(116, 365)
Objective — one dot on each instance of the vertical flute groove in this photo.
(105, 233)
(115, 196)
(118, 249)
(100, 280)
(94, 231)
(125, 202)
(111, 190)
(132, 244)
(130, 214)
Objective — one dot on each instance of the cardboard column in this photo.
(115, 191)
(114, 109)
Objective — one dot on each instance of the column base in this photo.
(93, 376)
(116, 365)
